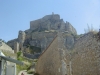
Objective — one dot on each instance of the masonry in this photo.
(53, 60)
(84, 59)
(86, 56)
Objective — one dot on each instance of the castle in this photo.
(42, 32)
(61, 52)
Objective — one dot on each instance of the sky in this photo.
(16, 15)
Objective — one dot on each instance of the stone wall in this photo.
(53, 60)
(44, 23)
(21, 37)
(17, 44)
(47, 65)
(84, 59)
(86, 56)
(51, 22)
(16, 47)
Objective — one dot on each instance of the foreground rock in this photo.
(84, 59)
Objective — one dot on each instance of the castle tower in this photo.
(16, 47)
(21, 39)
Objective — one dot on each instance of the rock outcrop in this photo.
(41, 33)
(51, 22)
(5, 47)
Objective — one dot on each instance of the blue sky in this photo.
(16, 15)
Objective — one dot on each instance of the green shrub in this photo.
(22, 67)
(19, 53)
(28, 68)
(35, 60)
(20, 58)
(30, 72)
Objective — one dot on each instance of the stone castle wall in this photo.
(42, 32)
(44, 23)
(84, 59)
(53, 60)
(21, 37)
(86, 56)
(47, 65)
(16, 47)
(17, 44)
(51, 22)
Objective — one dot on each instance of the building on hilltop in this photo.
(41, 33)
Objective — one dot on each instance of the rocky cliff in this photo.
(5, 47)
(51, 22)
(41, 33)
(7, 50)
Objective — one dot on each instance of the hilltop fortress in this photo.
(60, 51)
(41, 33)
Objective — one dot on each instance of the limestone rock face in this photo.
(51, 22)
(40, 39)
(70, 28)
(42, 32)
(5, 47)
(69, 40)
(11, 43)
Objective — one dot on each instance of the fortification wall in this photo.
(53, 60)
(49, 63)
(86, 56)
(84, 59)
